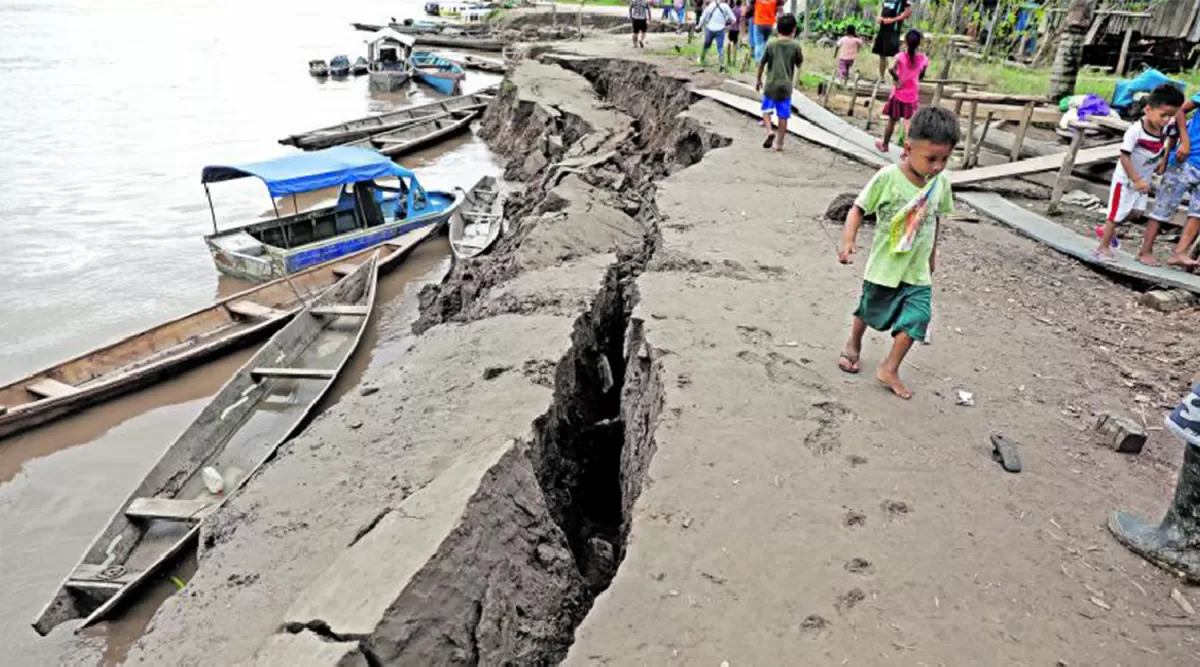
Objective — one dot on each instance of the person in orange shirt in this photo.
(764, 19)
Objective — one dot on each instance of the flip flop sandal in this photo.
(852, 363)
(1004, 451)
(769, 141)
(1104, 259)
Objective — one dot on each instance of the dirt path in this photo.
(622, 438)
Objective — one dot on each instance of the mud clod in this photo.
(493, 372)
(859, 566)
(894, 509)
(854, 519)
(814, 627)
(848, 600)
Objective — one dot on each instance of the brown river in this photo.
(108, 111)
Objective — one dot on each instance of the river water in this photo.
(108, 111)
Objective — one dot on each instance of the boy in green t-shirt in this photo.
(781, 61)
(907, 200)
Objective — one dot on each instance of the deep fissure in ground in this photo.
(591, 449)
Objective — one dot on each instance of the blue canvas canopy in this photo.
(305, 172)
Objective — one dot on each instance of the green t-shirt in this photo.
(887, 194)
(782, 58)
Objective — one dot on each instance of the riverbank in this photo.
(623, 437)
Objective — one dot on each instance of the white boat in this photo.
(479, 222)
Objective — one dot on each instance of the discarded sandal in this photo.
(1005, 452)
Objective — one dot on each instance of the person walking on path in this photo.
(735, 31)
(1173, 543)
(765, 12)
(715, 19)
(680, 14)
(906, 88)
(781, 61)
(907, 199)
(1182, 178)
(847, 52)
(666, 11)
(1143, 153)
(639, 14)
(892, 15)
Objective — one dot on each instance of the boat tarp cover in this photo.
(305, 172)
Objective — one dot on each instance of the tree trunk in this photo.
(1069, 55)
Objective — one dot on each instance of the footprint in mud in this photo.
(754, 335)
(854, 519)
(848, 600)
(827, 436)
(859, 566)
(855, 460)
(783, 369)
(815, 627)
(894, 509)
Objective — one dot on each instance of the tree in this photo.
(1069, 55)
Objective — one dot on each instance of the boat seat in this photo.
(49, 388)
(90, 578)
(343, 270)
(254, 310)
(293, 373)
(340, 310)
(167, 508)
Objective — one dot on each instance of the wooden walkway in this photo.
(844, 138)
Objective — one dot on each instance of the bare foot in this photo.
(1181, 261)
(778, 148)
(890, 380)
(1149, 260)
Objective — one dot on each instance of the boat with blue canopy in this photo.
(367, 213)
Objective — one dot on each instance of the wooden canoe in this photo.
(419, 133)
(460, 42)
(484, 64)
(165, 350)
(267, 402)
(363, 127)
(479, 222)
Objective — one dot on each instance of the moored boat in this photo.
(443, 74)
(484, 64)
(387, 58)
(339, 66)
(418, 134)
(479, 222)
(161, 352)
(368, 125)
(360, 66)
(366, 213)
(318, 68)
(267, 402)
(461, 42)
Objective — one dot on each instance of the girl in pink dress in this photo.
(907, 71)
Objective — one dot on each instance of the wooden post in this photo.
(871, 104)
(958, 103)
(853, 95)
(987, 122)
(828, 88)
(937, 93)
(1068, 164)
(1026, 117)
(974, 107)
(1124, 49)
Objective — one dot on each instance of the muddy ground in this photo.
(622, 437)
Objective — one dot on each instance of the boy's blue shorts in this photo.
(781, 108)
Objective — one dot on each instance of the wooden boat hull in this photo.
(446, 83)
(164, 351)
(484, 64)
(274, 261)
(368, 125)
(173, 499)
(420, 134)
(479, 222)
(389, 81)
(460, 42)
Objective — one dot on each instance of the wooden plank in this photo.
(1026, 118)
(167, 508)
(972, 109)
(1075, 245)
(49, 388)
(1064, 172)
(1120, 71)
(343, 270)
(340, 310)
(89, 572)
(293, 373)
(254, 310)
(1034, 165)
(997, 98)
(987, 124)
(1042, 114)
